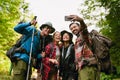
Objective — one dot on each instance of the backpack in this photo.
(101, 47)
(10, 52)
(16, 48)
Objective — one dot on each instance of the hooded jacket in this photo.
(26, 29)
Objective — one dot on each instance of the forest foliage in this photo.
(105, 14)
(11, 12)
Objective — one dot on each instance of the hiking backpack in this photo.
(101, 47)
(10, 52)
(16, 47)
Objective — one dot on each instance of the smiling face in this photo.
(56, 36)
(45, 31)
(75, 28)
(66, 37)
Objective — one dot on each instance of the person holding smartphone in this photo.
(83, 49)
(21, 64)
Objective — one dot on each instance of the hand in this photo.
(77, 67)
(51, 60)
(33, 22)
(75, 18)
(43, 54)
(60, 78)
(54, 61)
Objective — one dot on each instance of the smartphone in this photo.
(35, 17)
(67, 18)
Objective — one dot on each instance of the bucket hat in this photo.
(48, 24)
(70, 35)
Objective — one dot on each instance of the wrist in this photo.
(81, 20)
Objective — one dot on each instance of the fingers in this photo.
(75, 18)
(54, 61)
(51, 60)
(33, 22)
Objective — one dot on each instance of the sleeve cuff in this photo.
(39, 56)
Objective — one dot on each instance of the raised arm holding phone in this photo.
(83, 50)
(31, 45)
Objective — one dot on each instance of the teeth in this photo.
(74, 31)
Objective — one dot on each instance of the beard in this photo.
(76, 32)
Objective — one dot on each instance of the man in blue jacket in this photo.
(22, 57)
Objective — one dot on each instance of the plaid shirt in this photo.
(50, 51)
(82, 49)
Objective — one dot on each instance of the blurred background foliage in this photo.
(11, 12)
(105, 14)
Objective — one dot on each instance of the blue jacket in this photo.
(27, 30)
